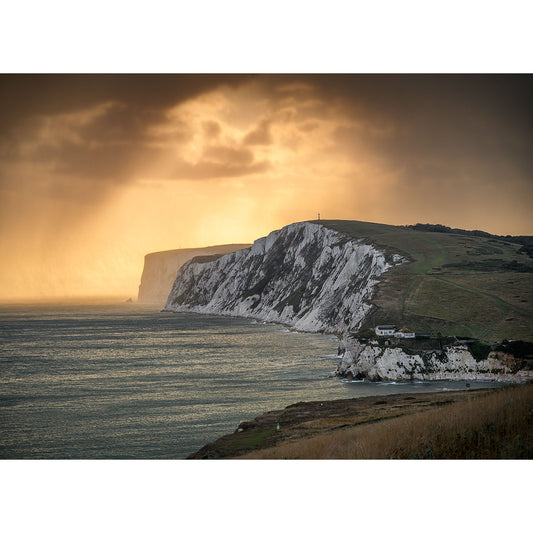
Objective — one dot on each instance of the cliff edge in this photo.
(304, 275)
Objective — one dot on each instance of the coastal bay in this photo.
(127, 381)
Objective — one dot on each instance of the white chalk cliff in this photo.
(303, 275)
(316, 279)
(160, 269)
(370, 361)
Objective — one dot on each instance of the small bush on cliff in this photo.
(517, 348)
(479, 350)
(366, 334)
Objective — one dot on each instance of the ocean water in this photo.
(126, 381)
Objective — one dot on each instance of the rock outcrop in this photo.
(304, 275)
(370, 361)
(160, 269)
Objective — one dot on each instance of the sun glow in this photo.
(87, 192)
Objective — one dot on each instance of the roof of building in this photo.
(386, 327)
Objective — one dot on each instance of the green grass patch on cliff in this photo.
(453, 284)
(520, 349)
(479, 350)
(252, 438)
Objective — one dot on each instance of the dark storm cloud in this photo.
(225, 154)
(452, 113)
(453, 148)
(108, 145)
(438, 127)
(121, 123)
(442, 136)
(209, 170)
(221, 161)
(23, 96)
(453, 117)
(106, 161)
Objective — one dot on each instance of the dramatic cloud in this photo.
(96, 171)
(259, 135)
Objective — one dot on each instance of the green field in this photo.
(453, 284)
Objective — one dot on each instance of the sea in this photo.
(127, 381)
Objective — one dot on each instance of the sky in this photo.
(98, 170)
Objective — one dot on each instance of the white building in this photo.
(404, 333)
(385, 331)
(392, 331)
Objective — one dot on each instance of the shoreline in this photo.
(304, 420)
(257, 320)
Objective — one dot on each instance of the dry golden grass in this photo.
(496, 425)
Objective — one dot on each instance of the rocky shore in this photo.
(372, 361)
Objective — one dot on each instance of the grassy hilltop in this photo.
(453, 284)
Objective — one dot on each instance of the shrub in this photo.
(479, 350)
(516, 348)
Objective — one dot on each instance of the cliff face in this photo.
(372, 362)
(160, 269)
(303, 275)
(316, 279)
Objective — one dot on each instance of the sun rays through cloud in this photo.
(96, 171)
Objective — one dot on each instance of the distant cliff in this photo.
(303, 275)
(160, 269)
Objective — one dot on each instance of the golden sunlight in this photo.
(88, 191)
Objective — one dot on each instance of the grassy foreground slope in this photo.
(453, 284)
(493, 424)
